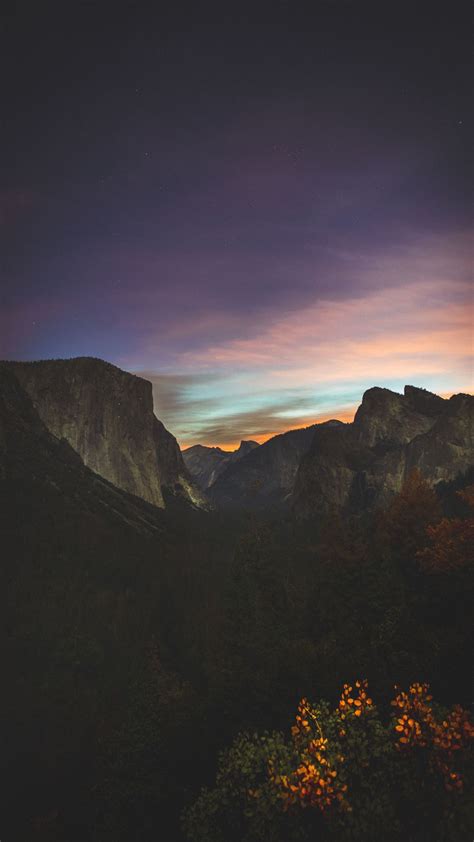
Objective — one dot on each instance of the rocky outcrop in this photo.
(40, 473)
(242, 450)
(265, 476)
(448, 448)
(206, 464)
(386, 419)
(365, 463)
(106, 415)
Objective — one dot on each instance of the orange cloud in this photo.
(413, 323)
(387, 334)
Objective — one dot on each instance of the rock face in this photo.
(44, 471)
(242, 450)
(265, 476)
(365, 463)
(206, 464)
(106, 415)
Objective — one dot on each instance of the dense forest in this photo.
(137, 666)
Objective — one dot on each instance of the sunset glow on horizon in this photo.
(266, 236)
(315, 363)
(344, 415)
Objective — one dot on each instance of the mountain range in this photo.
(355, 466)
(207, 464)
(132, 612)
(265, 477)
(95, 422)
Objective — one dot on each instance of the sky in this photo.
(261, 207)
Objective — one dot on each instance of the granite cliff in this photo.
(206, 464)
(106, 416)
(360, 465)
(41, 473)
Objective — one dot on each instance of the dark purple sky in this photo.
(262, 206)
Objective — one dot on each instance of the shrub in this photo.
(345, 774)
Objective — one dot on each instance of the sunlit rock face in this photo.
(265, 477)
(206, 464)
(39, 470)
(363, 464)
(106, 415)
(385, 419)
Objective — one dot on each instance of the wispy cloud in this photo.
(401, 327)
(298, 366)
(201, 409)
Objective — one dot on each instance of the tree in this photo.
(451, 542)
(345, 774)
(407, 518)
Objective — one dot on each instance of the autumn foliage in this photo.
(444, 740)
(316, 782)
(451, 545)
(345, 773)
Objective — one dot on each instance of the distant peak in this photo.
(247, 445)
(244, 448)
(202, 448)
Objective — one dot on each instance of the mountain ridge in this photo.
(206, 464)
(367, 462)
(265, 476)
(106, 415)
